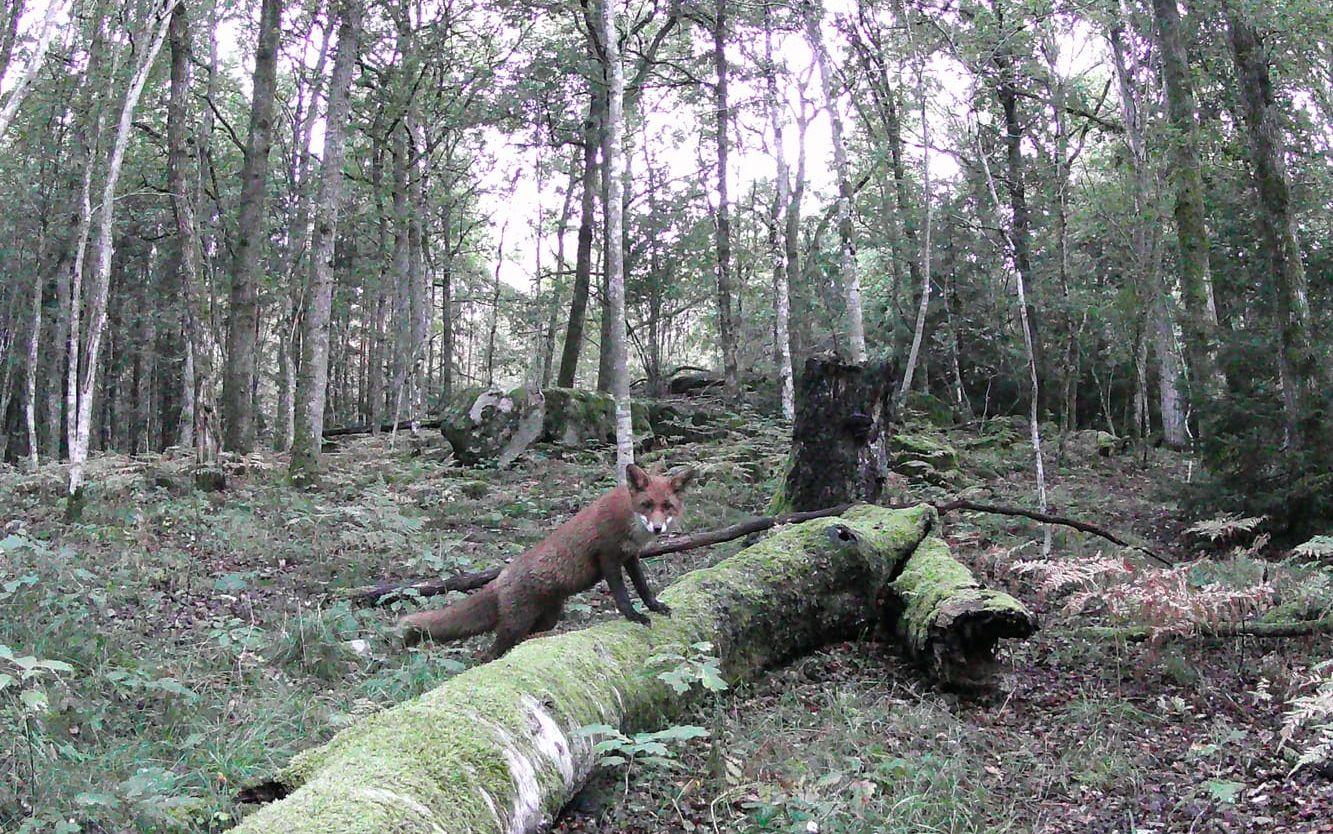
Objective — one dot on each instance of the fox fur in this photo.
(597, 543)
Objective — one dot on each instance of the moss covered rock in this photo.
(920, 448)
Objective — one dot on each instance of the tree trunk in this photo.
(312, 383)
(183, 193)
(553, 311)
(379, 343)
(13, 11)
(920, 273)
(781, 289)
(1304, 378)
(238, 408)
(851, 276)
(791, 241)
(726, 324)
(1196, 284)
(30, 381)
(1147, 252)
(1012, 238)
(837, 455)
(499, 748)
(578, 304)
(83, 373)
(1020, 233)
(34, 65)
(401, 271)
(615, 227)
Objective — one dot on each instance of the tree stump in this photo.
(837, 450)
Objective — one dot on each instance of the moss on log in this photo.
(948, 621)
(496, 748)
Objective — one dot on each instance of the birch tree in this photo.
(851, 278)
(615, 239)
(83, 369)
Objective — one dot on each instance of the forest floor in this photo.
(195, 642)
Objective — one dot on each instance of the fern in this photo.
(1320, 547)
(1225, 528)
(1058, 575)
(1310, 719)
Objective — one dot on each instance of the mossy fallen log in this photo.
(497, 748)
(948, 621)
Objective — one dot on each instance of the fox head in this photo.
(656, 499)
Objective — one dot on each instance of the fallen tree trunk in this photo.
(1249, 628)
(948, 621)
(497, 748)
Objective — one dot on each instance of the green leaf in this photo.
(597, 730)
(33, 699)
(712, 681)
(679, 732)
(1224, 790)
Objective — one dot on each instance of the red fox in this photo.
(529, 594)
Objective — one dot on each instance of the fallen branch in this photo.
(1047, 518)
(389, 590)
(1249, 628)
(499, 747)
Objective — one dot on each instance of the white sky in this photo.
(1081, 51)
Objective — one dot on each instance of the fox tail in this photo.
(477, 614)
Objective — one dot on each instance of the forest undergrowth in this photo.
(174, 645)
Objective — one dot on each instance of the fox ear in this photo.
(637, 479)
(682, 479)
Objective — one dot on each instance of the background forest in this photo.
(254, 253)
(258, 222)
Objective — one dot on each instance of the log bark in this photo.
(836, 455)
(497, 748)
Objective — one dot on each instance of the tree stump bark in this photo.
(837, 450)
(498, 749)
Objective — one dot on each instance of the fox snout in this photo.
(656, 526)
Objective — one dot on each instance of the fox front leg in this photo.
(635, 570)
(616, 582)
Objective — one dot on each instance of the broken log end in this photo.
(949, 622)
